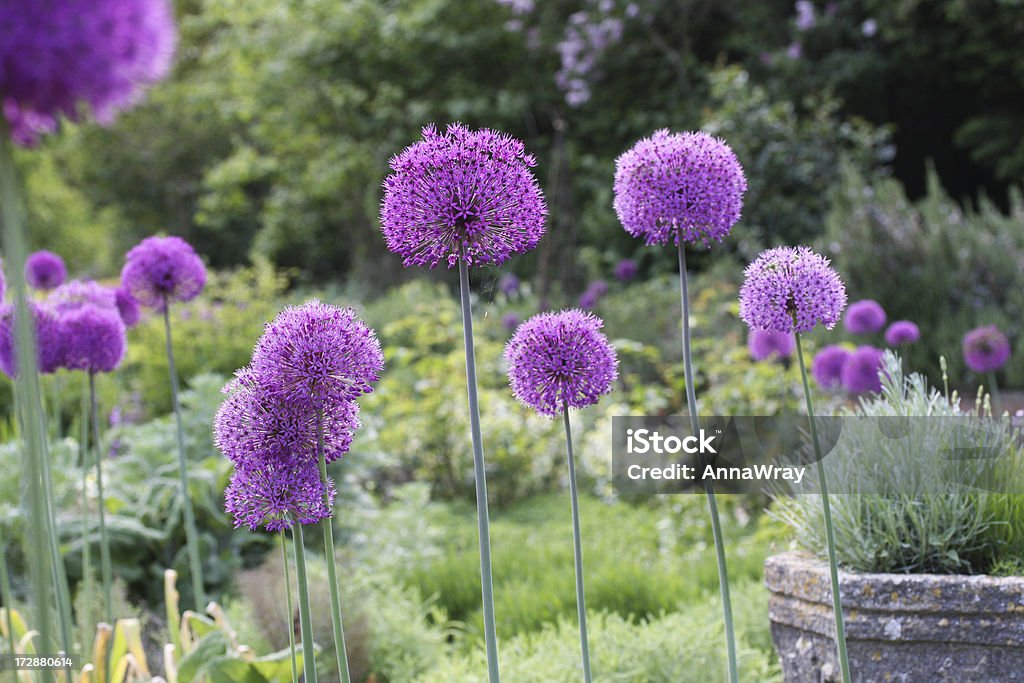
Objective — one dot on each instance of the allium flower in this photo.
(51, 340)
(765, 344)
(860, 372)
(864, 317)
(558, 360)
(57, 56)
(275, 493)
(827, 367)
(902, 332)
(598, 287)
(626, 270)
(316, 354)
(94, 338)
(159, 270)
(45, 270)
(511, 321)
(805, 17)
(127, 306)
(78, 293)
(508, 284)
(791, 289)
(679, 185)
(462, 194)
(986, 349)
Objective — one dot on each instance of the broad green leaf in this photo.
(209, 648)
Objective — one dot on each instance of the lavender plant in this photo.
(558, 361)
(465, 198)
(685, 188)
(792, 290)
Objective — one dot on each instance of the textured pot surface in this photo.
(905, 628)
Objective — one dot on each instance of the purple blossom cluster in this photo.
(161, 270)
(45, 270)
(767, 344)
(508, 284)
(593, 293)
(626, 270)
(864, 317)
(462, 194)
(860, 371)
(560, 360)
(986, 349)
(827, 367)
(295, 398)
(791, 289)
(679, 186)
(901, 333)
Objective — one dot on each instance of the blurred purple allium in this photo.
(869, 28)
(805, 19)
(795, 50)
(765, 344)
(510, 321)
(78, 293)
(51, 340)
(45, 270)
(462, 194)
(791, 289)
(902, 332)
(57, 56)
(94, 338)
(558, 360)
(160, 270)
(315, 355)
(860, 372)
(508, 284)
(626, 270)
(275, 493)
(127, 306)
(986, 349)
(679, 185)
(864, 317)
(827, 367)
(598, 287)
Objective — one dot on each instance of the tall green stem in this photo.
(480, 476)
(993, 389)
(106, 570)
(837, 605)
(8, 598)
(305, 618)
(86, 619)
(289, 605)
(332, 571)
(709, 487)
(191, 535)
(577, 549)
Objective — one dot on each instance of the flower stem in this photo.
(332, 570)
(288, 604)
(837, 605)
(577, 548)
(480, 476)
(106, 570)
(191, 535)
(8, 598)
(993, 390)
(86, 621)
(709, 487)
(305, 618)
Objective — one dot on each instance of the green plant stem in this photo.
(332, 571)
(577, 548)
(480, 476)
(289, 605)
(305, 617)
(191, 535)
(106, 571)
(837, 604)
(86, 620)
(8, 597)
(993, 389)
(709, 487)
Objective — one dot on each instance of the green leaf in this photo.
(212, 647)
(233, 670)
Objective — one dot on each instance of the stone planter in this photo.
(905, 628)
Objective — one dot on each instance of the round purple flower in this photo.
(95, 338)
(462, 194)
(864, 317)
(558, 360)
(57, 56)
(679, 185)
(626, 270)
(51, 339)
(127, 306)
(78, 293)
(860, 372)
(274, 493)
(765, 344)
(791, 289)
(511, 321)
(508, 284)
(986, 349)
(316, 354)
(827, 366)
(159, 270)
(45, 270)
(902, 332)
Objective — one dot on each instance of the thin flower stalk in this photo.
(285, 562)
(305, 613)
(106, 569)
(329, 555)
(577, 547)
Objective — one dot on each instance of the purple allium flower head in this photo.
(51, 340)
(511, 321)
(159, 270)
(57, 56)
(127, 306)
(626, 270)
(508, 284)
(275, 493)
(827, 367)
(864, 317)
(462, 194)
(795, 50)
(805, 17)
(45, 270)
(558, 360)
(986, 349)
(315, 355)
(94, 338)
(679, 185)
(860, 372)
(765, 344)
(791, 289)
(902, 332)
(869, 28)
(78, 293)
(588, 299)
(598, 287)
